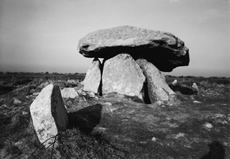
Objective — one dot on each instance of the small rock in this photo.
(195, 87)
(143, 142)
(35, 93)
(79, 91)
(24, 113)
(154, 139)
(108, 103)
(101, 129)
(69, 93)
(73, 82)
(159, 102)
(16, 101)
(173, 125)
(83, 93)
(197, 102)
(18, 144)
(179, 135)
(91, 94)
(208, 125)
(174, 82)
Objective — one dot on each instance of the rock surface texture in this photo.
(121, 74)
(93, 77)
(158, 89)
(48, 114)
(163, 49)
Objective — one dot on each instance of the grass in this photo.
(21, 142)
(18, 139)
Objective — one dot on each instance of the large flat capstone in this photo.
(163, 49)
(48, 114)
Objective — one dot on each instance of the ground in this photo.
(197, 127)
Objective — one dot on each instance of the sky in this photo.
(43, 35)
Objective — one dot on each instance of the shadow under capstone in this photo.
(159, 56)
(85, 119)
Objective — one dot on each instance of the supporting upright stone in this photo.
(93, 77)
(158, 89)
(121, 74)
(48, 114)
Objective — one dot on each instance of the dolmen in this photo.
(133, 59)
